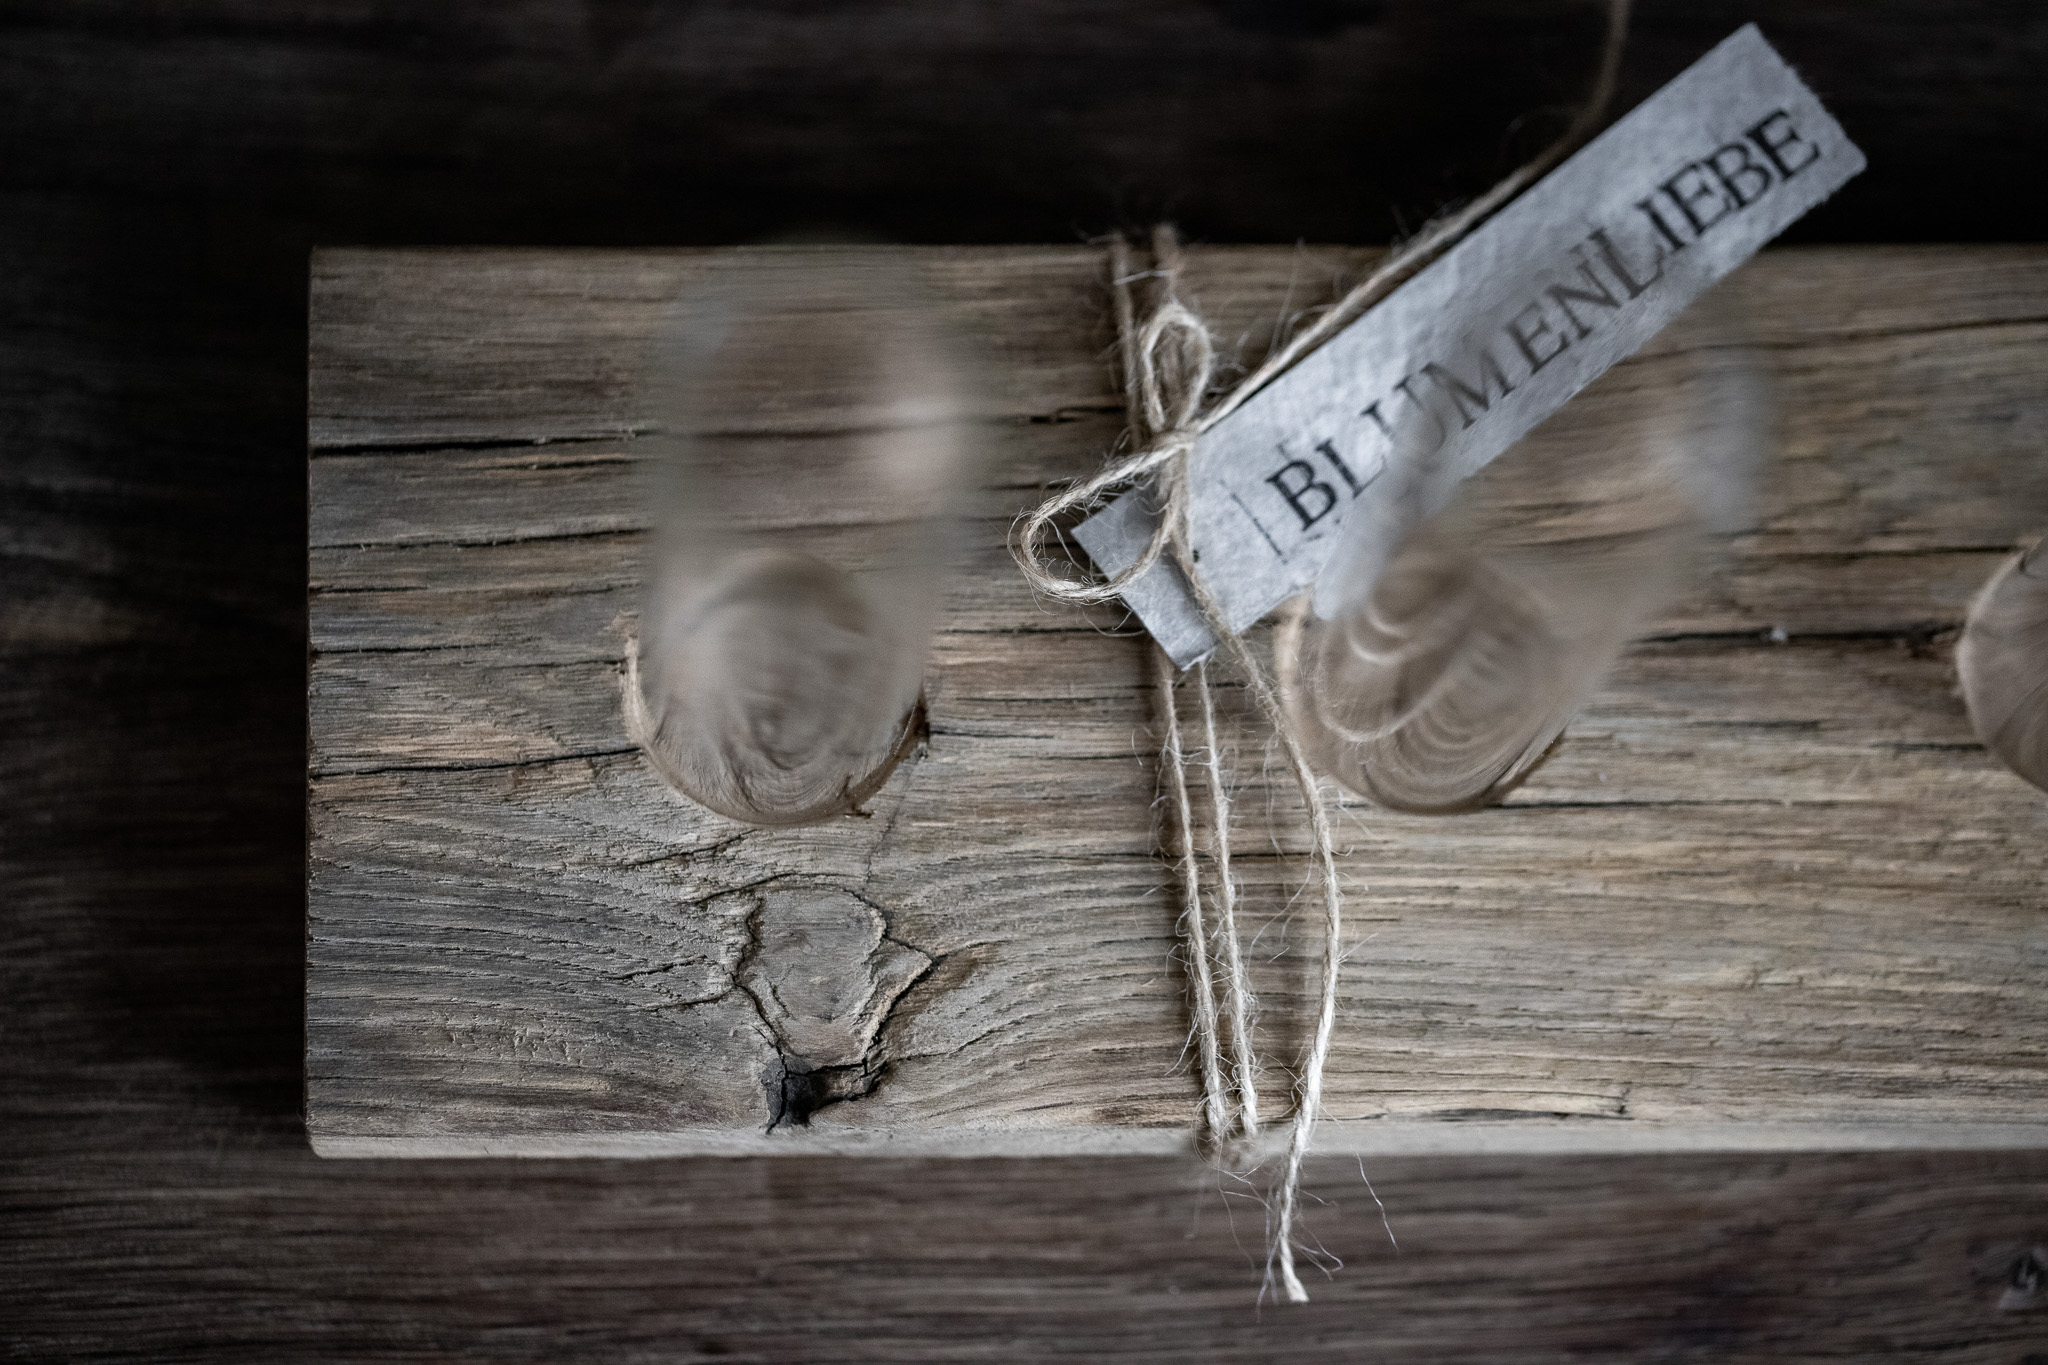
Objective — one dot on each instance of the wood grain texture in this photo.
(1501, 1261)
(1764, 895)
(160, 1203)
(171, 166)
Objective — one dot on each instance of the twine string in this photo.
(1163, 392)
(1174, 766)
(1168, 366)
(1237, 996)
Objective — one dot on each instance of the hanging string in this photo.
(1167, 368)
(1174, 361)
(1168, 365)
(1237, 997)
(1174, 765)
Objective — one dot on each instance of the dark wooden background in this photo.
(164, 169)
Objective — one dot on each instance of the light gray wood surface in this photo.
(1765, 894)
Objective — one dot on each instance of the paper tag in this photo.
(1377, 426)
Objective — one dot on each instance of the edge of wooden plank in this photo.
(1512, 1137)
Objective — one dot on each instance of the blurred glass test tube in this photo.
(806, 484)
(1440, 683)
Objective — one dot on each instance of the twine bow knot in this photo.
(1176, 361)
(1169, 365)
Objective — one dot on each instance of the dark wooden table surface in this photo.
(167, 168)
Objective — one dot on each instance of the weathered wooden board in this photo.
(1765, 894)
